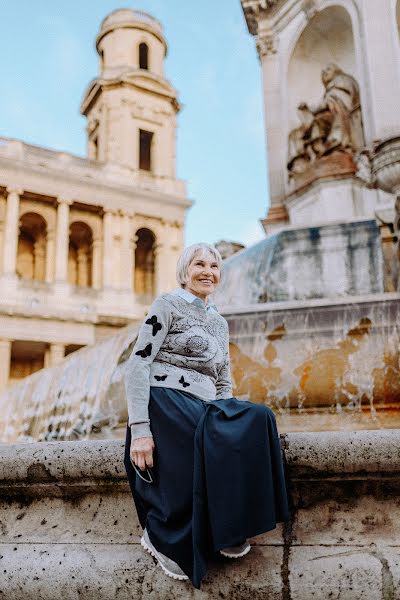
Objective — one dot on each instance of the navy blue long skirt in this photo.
(218, 477)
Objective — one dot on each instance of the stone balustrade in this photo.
(91, 170)
(68, 526)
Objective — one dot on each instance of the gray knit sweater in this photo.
(180, 345)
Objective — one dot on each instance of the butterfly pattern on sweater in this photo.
(154, 323)
(145, 352)
(160, 377)
(181, 346)
(183, 382)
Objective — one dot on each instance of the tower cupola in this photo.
(130, 107)
(131, 39)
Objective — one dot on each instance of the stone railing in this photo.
(88, 170)
(68, 527)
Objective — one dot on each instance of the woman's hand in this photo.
(142, 452)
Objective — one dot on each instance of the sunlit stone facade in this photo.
(86, 243)
(307, 117)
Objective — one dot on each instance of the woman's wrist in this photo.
(140, 430)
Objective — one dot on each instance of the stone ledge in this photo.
(67, 522)
(320, 454)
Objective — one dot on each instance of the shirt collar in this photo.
(192, 299)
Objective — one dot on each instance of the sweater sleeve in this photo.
(224, 382)
(151, 335)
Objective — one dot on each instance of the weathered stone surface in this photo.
(331, 522)
(68, 523)
(97, 571)
(319, 364)
(304, 263)
(343, 453)
(322, 573)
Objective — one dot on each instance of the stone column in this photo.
(50, 249)
(96, 263)
(381, 60)
(176, 247)
(108, 222)
(11, 232)
(267, 48)
(2, 224)
(127, 258)
(62, 240)
(56, 354)
(161, 267)
(134, 239)
(5, 362)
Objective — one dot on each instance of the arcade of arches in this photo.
(43, 246)
(34, 260)
(86, 243)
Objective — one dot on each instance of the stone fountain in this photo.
(319, 363)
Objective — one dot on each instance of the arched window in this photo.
(144, 276)
(80, 255)
(143, 56)
(31, 254)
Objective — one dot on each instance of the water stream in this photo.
(320, 365)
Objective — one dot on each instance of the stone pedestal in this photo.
(325, 200)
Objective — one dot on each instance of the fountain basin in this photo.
(386, 165)
(67, 516)
(320, 364)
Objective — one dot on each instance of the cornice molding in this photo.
(266, 44)
(52, 178)
(256, 9)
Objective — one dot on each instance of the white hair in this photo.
(188, 255)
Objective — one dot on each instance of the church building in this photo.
(86, 243)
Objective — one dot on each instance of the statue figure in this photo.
(334, 124)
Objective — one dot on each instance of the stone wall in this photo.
(68, 527)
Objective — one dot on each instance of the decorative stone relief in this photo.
(331, 133)
(386, 171)
(254, 10)
(364, 167)
(310, 9)
(266, 45)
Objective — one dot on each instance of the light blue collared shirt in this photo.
(192, 299)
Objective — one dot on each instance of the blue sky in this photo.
(47, 58)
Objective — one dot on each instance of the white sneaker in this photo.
(236, 551)
(169, 567)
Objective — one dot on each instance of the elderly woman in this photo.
(205, 469)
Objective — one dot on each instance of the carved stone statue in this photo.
(334, 124)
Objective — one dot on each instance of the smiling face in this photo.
(203, 275)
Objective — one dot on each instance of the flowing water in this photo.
(320, 365)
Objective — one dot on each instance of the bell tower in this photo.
(130, 107)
